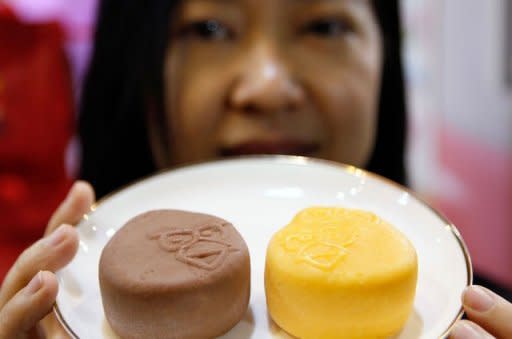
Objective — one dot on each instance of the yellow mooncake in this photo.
(340, 273)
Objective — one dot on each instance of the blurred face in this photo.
(270, 77)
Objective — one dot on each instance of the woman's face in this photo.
(270, 76)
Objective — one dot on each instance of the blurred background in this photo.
(458, 65)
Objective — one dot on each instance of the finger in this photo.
(77, 203)
(52, 328)
(50, 253)
(22, 313)
(489, 310)
(468, 330)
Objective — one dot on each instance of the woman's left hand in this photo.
(490, 316)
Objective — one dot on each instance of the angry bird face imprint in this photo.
(203, 247)
(322, 250)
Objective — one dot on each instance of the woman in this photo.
(217, 78)
(210, 58)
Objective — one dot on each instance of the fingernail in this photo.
(477, 299)
(57, 236)
(463, 330)
(35, 284)
(70, 192)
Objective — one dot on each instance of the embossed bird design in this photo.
(203, 247)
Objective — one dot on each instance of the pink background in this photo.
(460, 148)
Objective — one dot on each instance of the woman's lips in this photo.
(289, 147)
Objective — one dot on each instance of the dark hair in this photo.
(126, 70)
(388, 158)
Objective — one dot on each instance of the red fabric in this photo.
(36, 124)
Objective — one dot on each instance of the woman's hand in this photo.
(30, 288)
(489, 315)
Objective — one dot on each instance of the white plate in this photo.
(259, 195)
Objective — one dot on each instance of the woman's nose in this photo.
(265, 85)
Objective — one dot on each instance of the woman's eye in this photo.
(207, 30)
(327, 27)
